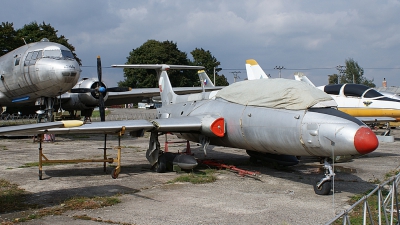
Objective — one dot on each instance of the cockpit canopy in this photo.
(276, 93)
(354, 90)
(56, 53)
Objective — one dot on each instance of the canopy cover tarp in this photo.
(274, 93)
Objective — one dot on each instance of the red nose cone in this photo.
(365, 141)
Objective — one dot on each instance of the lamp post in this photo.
(235, 76)
(216, 69)
(279, 68)
(341, 70)
(214, 75)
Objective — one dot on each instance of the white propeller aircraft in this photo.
(266, 117)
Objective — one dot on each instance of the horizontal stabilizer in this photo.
(158, 66)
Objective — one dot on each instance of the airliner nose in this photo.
(365, 141)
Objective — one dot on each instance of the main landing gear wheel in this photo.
(161, 165)
(323, 189)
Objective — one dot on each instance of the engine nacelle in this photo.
(79, 101)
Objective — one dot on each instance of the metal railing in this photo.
(385, 212)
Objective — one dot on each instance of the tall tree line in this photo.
(167, 52)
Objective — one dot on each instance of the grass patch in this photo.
(97, 113)
(86, 217)
(12, 197)
(198, 177)
(76, 203)
(3, 148)
(357, 214)
(391, 174)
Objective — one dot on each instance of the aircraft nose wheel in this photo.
(323, 189)
(324, 185)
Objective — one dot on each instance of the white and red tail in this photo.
(204, 79)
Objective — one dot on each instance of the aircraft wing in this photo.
(137, 95)
(33, 129)
(107, 127)
(203, 124)
(376, 119)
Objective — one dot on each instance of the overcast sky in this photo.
(312, 37)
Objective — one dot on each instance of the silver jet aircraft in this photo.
(37, 72)
(264, 117)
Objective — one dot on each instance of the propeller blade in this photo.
(81, 90)
(101, 99)
(118, 89)
(99, 68)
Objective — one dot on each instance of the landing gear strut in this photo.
(324, 186)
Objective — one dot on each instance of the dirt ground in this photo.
(276, 196)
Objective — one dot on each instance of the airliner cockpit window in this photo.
(372, 94)
(52, 53)
(35, 54)
(28, 58)
(67, 54)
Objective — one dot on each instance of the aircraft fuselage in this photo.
(32, 71)
(315, 132)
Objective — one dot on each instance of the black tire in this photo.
(161, 165)
(114, 175)
(324, 189)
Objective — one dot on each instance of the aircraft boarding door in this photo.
(29, 66)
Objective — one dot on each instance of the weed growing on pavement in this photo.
(11, 197)
(197, 177)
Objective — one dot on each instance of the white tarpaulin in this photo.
(274, 93)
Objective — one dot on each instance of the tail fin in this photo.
(301, 77)
(254, 71)
(168, 95)
(204, 79)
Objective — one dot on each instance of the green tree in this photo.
(156, 52)
(333, 79)
(352, 73)
(8, 38)
(35, 32)
(206, 59)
